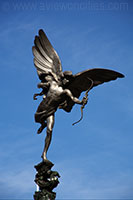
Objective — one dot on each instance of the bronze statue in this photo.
(61, 89)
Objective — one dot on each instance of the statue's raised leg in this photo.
(43, 125)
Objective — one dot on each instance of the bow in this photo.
(84, 100)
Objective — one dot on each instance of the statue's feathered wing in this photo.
(45, 57)
(90, 78)
(47, 60)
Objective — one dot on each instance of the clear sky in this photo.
(94, 157)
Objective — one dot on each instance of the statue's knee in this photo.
(49, 128)
(49, 132)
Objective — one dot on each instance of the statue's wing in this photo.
(89, 78)
(45, 57)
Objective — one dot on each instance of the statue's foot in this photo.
(44, 157)
(41, 128)
(46, 161)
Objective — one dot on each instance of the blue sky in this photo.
(94, 157)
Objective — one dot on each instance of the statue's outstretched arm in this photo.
(43, 86)
(74, 99)
(38, 94)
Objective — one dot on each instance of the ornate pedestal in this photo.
(47, 180)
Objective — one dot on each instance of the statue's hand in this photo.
(34, 97)
(84, 101)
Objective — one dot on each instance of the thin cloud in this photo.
(83, 184)
(20, 180)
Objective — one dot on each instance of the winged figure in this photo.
(61, 89)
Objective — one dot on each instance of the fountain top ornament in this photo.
(61, 89)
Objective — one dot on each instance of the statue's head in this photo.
(68, 73)
(67, 77)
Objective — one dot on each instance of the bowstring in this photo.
(82, 107)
